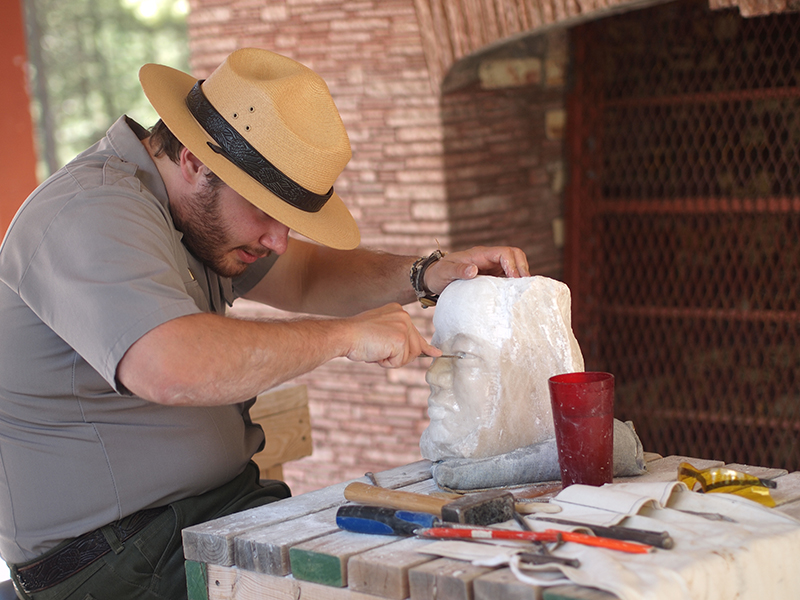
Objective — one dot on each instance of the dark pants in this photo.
(150, 564)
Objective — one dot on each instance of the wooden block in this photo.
(443, 579)
(666, 469)
(419, 471)
(427, 486)
(266, 550)
(383, 571)
(288, 436)
(502, 584)
(790, 508)
(788, 490)
(231, 583)
(651, 456)
(760, 472)
(324, 560)
(284, 416)
(273, 472)
(278, 400)
(574, 592)
(213, 542)
(196, 580)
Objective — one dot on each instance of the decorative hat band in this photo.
(239, 151)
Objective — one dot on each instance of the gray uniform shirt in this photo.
(91, 262)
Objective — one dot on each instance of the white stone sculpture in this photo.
(511, 336)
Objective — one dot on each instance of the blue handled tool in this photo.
(379, 520)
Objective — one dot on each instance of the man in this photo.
(124, 388)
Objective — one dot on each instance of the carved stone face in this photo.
(511, 335)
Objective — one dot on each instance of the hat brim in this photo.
(166, 89)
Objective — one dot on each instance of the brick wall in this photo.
(478, 161)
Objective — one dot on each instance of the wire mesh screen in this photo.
(684, 221)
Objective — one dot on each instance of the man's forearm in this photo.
(314, 279)
(206, 359)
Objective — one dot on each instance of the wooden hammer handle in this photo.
(377, 496)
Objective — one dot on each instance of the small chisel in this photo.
(660, 539)
(549, 535)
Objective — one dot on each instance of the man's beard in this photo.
(199, 218)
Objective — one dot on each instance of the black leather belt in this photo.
(79, 553)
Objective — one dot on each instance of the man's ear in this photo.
(193, 171)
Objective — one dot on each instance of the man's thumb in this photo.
(470, 271)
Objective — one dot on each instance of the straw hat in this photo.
(267, 125)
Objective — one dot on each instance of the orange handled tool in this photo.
(549, 535)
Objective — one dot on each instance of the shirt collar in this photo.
(125, 137)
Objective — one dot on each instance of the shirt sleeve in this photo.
(108, 268)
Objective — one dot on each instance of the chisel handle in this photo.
(379, 520)
(378, 496)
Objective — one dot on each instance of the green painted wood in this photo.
(574, 592)
(319, 568)
(214, 542)
(196, 580)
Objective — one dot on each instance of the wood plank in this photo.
(788, 490)
(288, 436)
(266, 550)
(666, 469)
(274, 472)
(231, 583)
(283, 414)
(278, 400)
(502, 584)
(324, 560)
(196, 580)
(443, 579)
(574, 592)
(213, 542)
(755, 471)
(383, 571)
(790, 508)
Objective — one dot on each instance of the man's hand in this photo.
(498, 261)
(387, 336)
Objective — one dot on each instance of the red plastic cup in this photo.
(583, 414)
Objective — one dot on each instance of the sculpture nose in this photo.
(440, 373)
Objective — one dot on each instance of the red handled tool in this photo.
(549, 535)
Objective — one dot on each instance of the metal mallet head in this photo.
(480, 508)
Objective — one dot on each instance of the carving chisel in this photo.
(660, 539)
(549, 535)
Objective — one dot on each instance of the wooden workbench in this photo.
(293, 549)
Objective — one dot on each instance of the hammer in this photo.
(482, 508)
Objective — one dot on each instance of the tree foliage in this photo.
(85, 56)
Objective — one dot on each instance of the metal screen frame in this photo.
(683, 223)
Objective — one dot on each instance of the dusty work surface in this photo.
(292, 549)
